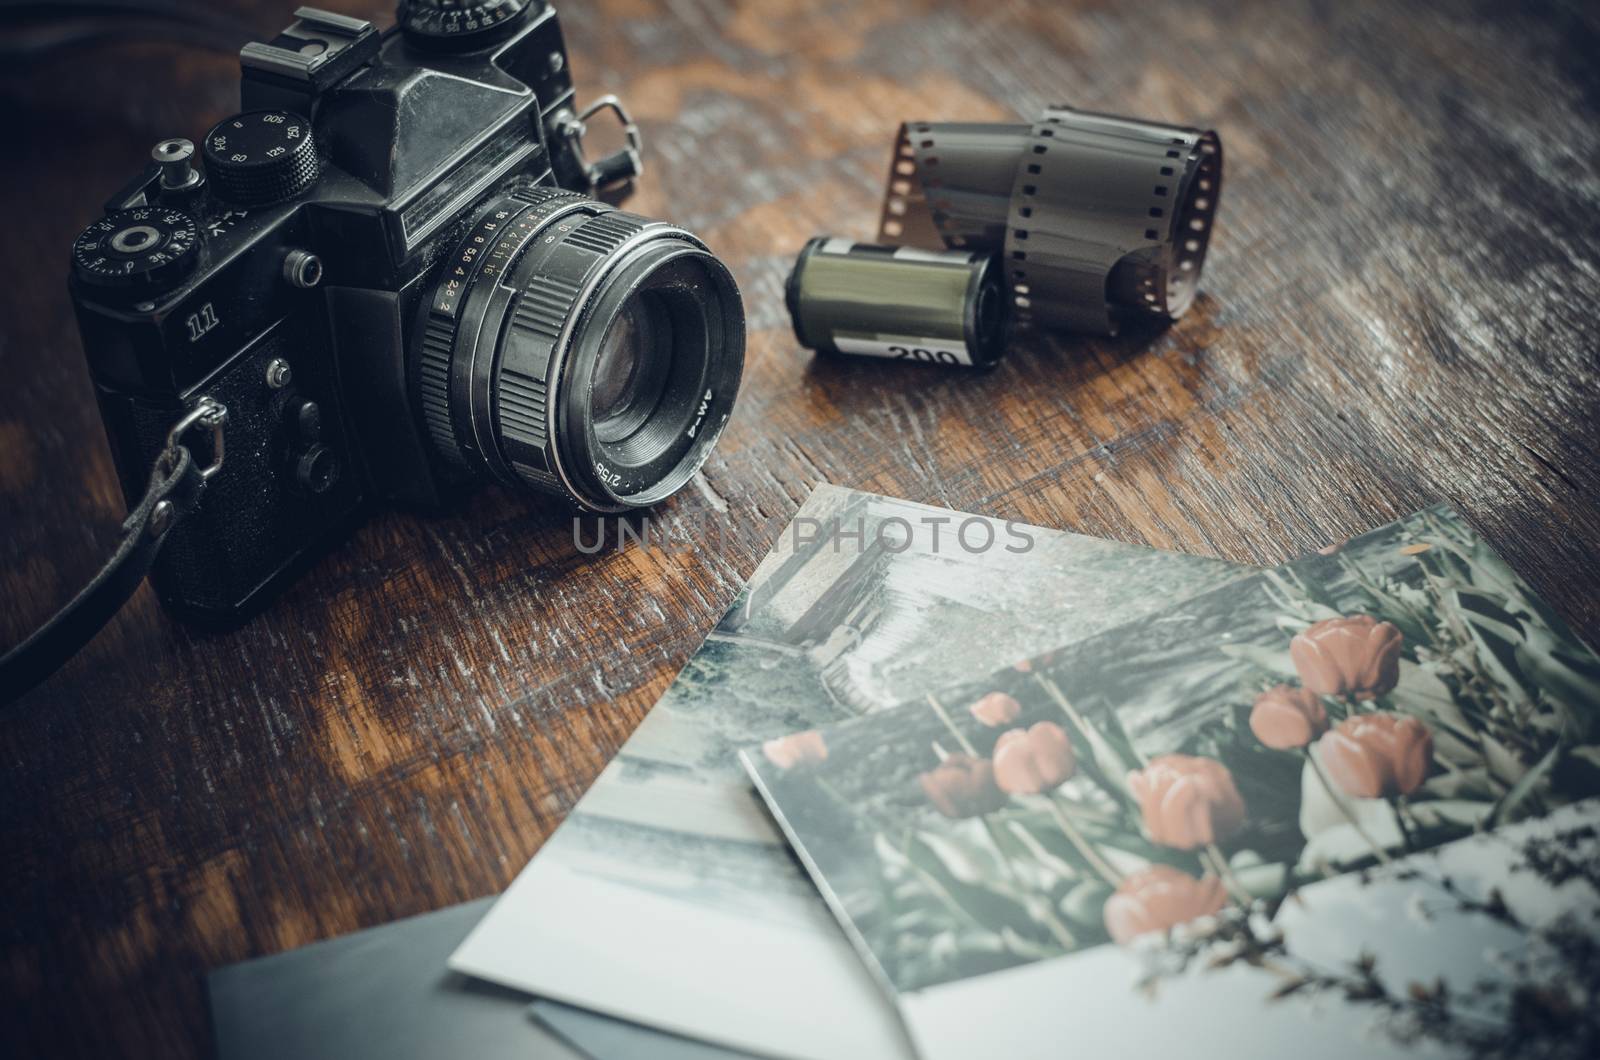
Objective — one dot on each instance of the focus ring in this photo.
(523, 398)
(604, 234)
(549, 303)
(524, 405)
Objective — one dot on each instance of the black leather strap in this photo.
(175, 488)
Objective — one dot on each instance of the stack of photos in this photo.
(1345, 807)
(667, 897)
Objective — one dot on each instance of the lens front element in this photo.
(630, 371)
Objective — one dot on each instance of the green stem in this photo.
(1000, 851)
(943, 895)
(1055, 926)
(1059, 930)
(1090, 854)
(1225, 872)
(1418, 618)
(1349, 814)
(1077, 719)
(1398, 806)
(862, 813)
(944, 716)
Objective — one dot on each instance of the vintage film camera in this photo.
(389, 272)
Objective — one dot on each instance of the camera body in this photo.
(293, 281)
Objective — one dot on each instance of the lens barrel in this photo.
(572, 348)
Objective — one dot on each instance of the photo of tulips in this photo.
(1172, 783)
(863, 602)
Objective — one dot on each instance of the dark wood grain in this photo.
(1399, 309)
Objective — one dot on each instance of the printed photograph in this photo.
(1398, 692)
(864, 601)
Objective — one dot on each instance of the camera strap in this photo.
(176, 484)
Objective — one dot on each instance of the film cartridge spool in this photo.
(901, 303)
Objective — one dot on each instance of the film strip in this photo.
(1096, 217)
(950, 185)
(1109, 216)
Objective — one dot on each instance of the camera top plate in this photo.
(458, 24)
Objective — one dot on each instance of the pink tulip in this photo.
(1028, 761)
(800, 749)
(1158, 898)
(1285, 718)
(962, 786)
(1027, 665)
(1187, 802)
(1370, 756)
(996, 709)
(1354, 656)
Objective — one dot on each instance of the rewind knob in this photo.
(459, 25)
(260, 157)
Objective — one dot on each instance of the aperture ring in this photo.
(460, 329)
(471, 260)
(433, 385)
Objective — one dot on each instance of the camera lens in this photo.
(572, 348)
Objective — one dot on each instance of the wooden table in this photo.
(1400, 308)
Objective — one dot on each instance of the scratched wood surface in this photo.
(1399, 309)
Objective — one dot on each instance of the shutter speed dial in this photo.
(150, 246)
(261, 157)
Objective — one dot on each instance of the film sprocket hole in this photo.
(388, 267)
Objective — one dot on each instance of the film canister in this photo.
(900, 303)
